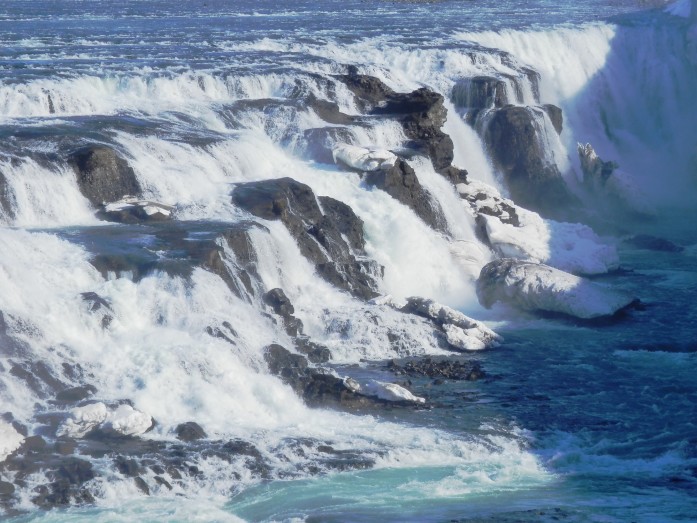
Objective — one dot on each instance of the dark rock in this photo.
(95, 301)
(480, 92)
(279, 302)
(329, 111)
(127, 467)
(6, 488)
(652, 243)
(134, 211)
(284, 363)
(514, 138)
(142, 485)
(162, 481)
(422, 114)
(439, 368)
(556, 116)
(38, 377)
(401, 183)
(190, 431)
(369, 90)
(454, 174)
(345, 221)
(318, 235)
(314, 352)
(6, 198)
(102, 175)
(76, 394)
(33, 444)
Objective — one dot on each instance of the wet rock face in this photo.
(421, 113)
(514, 139)
(436, 368)
(479, 92)
(319, 235)
(190, 431)
(5, 198)
(401, 183)
(102, 175)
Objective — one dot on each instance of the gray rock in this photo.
(102, 175)
(401, 183)
(190, 431)
(513, 136)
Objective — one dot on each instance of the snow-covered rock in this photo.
(10, 440)
(128, 421)
(124, 420)
(130, 210)
(363, 159)
(461, 331)
(389, 392)
(537, 287)
(514, 232)
(82, 420)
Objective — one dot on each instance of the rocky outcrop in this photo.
(190, 431)
(612, 187)
(438, 368)
(318, 235)
(133, 210)
(400, 182)
(479, 92)
(537, 287)
(421, 113)
(461, 332)
(102, 175)
(516, 139)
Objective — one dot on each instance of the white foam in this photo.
(10, 440)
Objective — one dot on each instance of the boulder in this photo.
(536, 287)
(102, 175)
(133, 210)
(461, 331)
(400, 181)
(516, 139)
(190, 431)
(318, 235)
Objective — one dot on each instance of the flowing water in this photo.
(572, 422)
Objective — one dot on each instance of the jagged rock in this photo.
(318, 235)
(439, 369)
(400, 182)
(515, 138)
(75, 394)
(329, 111)
(281, 305)
(66, 482)
(102, 175)
(421, 113)
(537, 287)
(611, 186)
(556, 116)
(190, 431)
(345, 220)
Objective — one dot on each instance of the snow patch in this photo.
(363, 159)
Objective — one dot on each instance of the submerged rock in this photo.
(652, 243)
(443, 368)
(537, 287)
(102, 175)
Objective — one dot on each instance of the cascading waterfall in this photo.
(107, 330)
